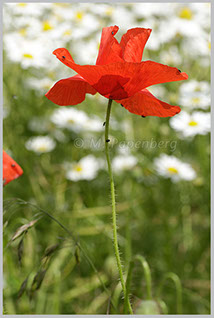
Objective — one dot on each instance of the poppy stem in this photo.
(114, 216)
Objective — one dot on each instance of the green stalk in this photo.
(114, 217)
(147, 274)
(178, 288)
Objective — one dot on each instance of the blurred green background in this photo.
(166, 222)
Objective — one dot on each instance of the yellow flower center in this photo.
(186, 13)
(61, 4)
(209, 45)
(172, 170)
(42, 148)
(52, 75)
(67, 32)
(197, 89)
(21, 4)
(23, 32)
(195, 100)
(46, 26)
(70, 121)
(78, 168)
(109, 11)
(193, 123)
(79, 16)
(28, 56)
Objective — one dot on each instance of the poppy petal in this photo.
(145, 104)
(152, 73)
(108, 80)
(70, 91)
(110, 50)
(11, 169)
(133, 43)
(122, 79)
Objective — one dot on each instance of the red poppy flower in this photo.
(118, 74)
(11, 169)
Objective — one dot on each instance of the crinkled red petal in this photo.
(133, 43)
(11, 169)
(70, 91)
(123, 79)
(145, 104)
(152, 73)
(110, 50)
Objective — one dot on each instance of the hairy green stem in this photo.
(114, 217)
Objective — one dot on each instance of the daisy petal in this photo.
(133, 43)
(70, 91)
(145, 104)
(110, 50)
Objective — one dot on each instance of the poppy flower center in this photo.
(193, 123)
(172, 170)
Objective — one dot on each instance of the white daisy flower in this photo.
(189, 125)
(148, 10)
(195, 94)
(32, 9)
(121, 163)
(27, 52)
(196, 100)
(173, 168)
(40, 144)
(191, 48)
(194, 86)
(171, 56)
(86, 169)
(75, 120)
(41, 85)
(94, 124)
(69, 118)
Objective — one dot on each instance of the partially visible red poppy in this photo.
(11, 169)
(118, 74)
